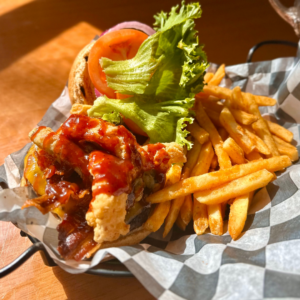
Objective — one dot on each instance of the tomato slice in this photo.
(116, 45)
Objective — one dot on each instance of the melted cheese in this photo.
(32, 172)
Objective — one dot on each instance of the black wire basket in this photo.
(113, 267)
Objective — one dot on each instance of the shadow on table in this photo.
(84, 286)
(25, 28)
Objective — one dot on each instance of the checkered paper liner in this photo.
(263, 264)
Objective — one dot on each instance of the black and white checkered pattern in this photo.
(263, 264)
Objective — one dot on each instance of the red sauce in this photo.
(156, 157)
(117, 140)
(114, 169)
(44, 160)
(112, 175)
(69, 153)
(37, 132)
(60, 191)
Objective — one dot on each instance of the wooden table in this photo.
(38, 43)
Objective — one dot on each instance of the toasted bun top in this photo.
(81, 89)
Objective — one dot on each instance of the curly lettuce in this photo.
(162, 121)
(162, 79)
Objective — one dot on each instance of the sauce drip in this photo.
(155, 157)
(117, 140)
(112, 175)
(67, 152)
(60, 192)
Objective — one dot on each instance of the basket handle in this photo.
(272, 42)
(21, 259)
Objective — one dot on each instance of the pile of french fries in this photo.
(235, 152)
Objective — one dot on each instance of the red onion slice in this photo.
(98, 94)
(131, 25)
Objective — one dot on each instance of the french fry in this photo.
(186, 211)
(157, 216)
(192, 157)
(279, 141)
(230, 146)
(260, 126)
(280, 131)
(199, 211)
(234, 151)
(237, 100)
(224, 207)
(242, 117)
(214, 162)
(236, 131)
(234, 188)
(212, 99)
(262, 130)
(238, 214)
(214, 117)
(208, 76)
(225, 93)
(200, 217)
(258, 142)
(218, 76)
(215, 219)
(216, 212)
(213, 105)
(254, 155)
(215, 179)
(261, 100)
(173, 175)
(176, 204)
(204, 160)
(274, 176)
(161, 210)
(198, 133)
(180, 223)
(223, 133)
(214, 136)
(286, 149)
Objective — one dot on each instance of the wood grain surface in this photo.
(38, 43)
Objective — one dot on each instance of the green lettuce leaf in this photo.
(112, 117)
(181, 132)
(162, 121)
(169, 64)
(163, 78)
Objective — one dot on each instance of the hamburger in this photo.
(132, 92)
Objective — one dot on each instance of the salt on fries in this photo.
(235, 152)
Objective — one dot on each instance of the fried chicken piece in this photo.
(116, 169)
(115, 139)
(107, 216)
(108, 208)
(112, 179)
(63, 150)
(161, 156)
